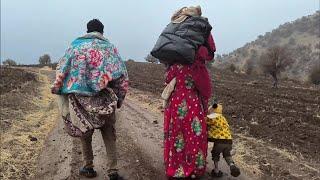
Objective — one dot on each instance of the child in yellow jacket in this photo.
(219, 133)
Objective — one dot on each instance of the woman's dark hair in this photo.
(95, 25)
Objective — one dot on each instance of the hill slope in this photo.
(301, 37)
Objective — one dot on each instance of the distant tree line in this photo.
(9, 62)
(44, 60)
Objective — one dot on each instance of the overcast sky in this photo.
(34, 27)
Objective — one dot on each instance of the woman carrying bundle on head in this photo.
(185, 46)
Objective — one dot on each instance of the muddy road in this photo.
(139, 149)
(139, 143)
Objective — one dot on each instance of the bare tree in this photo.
(251, 62)
(315, 75)
(151, 59)
(249, 66)
(232, 67)
(9, 62)
(45, 59)
(275, 60)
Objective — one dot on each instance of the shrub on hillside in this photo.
(250, 64)
(285, 33)
(232, 67)
(292, 42)
(302, 53)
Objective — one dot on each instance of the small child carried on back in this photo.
(219, 133)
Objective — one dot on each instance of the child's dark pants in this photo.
(223, 148)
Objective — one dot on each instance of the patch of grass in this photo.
(242, 152)
(18, 152)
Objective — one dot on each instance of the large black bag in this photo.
(179, 41)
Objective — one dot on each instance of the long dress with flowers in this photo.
(185, 141)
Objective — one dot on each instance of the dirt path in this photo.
(139, 142)
(139, 146)
(61, 157)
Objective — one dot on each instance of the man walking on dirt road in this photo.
(92, 82)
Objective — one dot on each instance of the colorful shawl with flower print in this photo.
(88, 65)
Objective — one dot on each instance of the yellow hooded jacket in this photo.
(218, 127)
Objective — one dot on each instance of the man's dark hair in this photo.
(95, 25)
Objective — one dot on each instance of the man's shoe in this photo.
(88, 172)
(114, 176)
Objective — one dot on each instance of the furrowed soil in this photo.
(276, 130)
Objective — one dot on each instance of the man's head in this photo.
(95, 25)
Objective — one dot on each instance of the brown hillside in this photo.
(301, 37)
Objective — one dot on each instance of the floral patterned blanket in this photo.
(88, 65)
(82, 114)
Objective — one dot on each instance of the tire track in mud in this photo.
(147, 134)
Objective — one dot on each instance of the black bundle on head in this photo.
(95, 26)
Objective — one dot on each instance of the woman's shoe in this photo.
(87, 172)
